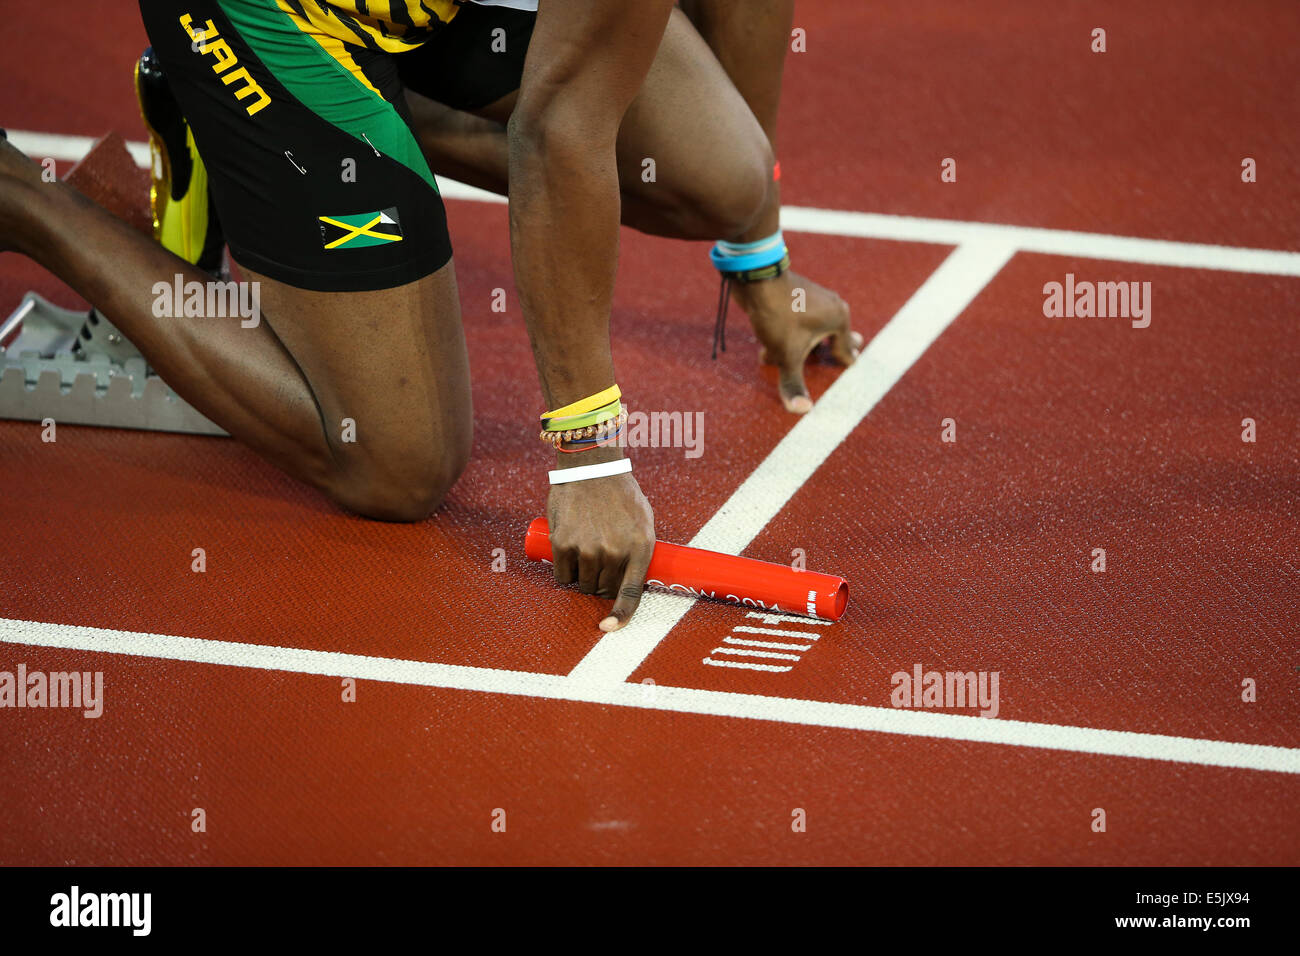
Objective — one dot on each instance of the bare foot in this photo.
(791, 315)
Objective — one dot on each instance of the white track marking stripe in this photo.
(740, 642)
(903, 340)
(807, 635)
(787, 619)
(917, 723)
(736, 652)
(743, 666)
(1052, 242)
(67, 149)
(870, 225)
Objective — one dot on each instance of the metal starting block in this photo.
(76, 368)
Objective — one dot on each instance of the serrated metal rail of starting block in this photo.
(103, 383)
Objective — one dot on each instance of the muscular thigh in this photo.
(389, 367)
(327, 202)
(711, 159)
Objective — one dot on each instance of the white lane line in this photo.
(930, 310)
(749, 667)
(741, 642)
(768, 618)
(869, 225)
(808, 635)
(68, 149)
(916, 723)
(770, 654)
(1054, 242)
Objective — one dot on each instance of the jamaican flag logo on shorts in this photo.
(361, 229)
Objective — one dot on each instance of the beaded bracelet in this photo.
(588, 436)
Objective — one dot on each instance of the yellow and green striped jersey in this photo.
(390, 26)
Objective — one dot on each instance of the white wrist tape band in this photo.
(619, 466)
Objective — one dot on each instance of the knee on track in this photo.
(399, 481)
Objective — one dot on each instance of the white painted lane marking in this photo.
(769, 618)
(870, 225)
(67, 149)
(743, 665)
(1053, 242)
(70, 149)
(737, 652)
(809, 635)
(1216, 753)
(930, 310)
(741, 642)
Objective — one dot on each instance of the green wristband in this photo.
(571, 422)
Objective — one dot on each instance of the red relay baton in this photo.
(725, 577)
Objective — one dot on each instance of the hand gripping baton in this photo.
(726, 577)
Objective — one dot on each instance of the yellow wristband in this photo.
(588, 404)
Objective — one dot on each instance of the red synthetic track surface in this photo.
(1072, 435)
